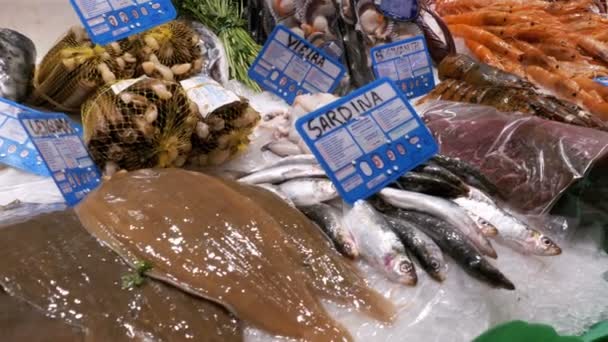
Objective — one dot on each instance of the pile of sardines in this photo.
(443, 206)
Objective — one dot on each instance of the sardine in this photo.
(511, 230)
(441, 208)
(454, 243)
(277, 192)
(329, 219)
(427, 252)
(430, 185)
(209, 240)
(299, 159)
(485, 227)
(378, 244)
(443, 173)
(282, 148)
(309, 191)
(283, 173)
(469, 174)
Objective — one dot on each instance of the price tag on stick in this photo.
(64, 154)
(289, 66)
(408, 63)
(107, 21)
(368, 139)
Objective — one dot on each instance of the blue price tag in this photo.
(408, 63)
(107, 21)
(16, 148)
(367, 139)
(289, 66)
(602, 80)
(64, 154)
(402, 10)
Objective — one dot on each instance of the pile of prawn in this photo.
(559, 46)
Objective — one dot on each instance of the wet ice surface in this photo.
(568, 292)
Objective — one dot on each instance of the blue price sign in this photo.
(64, 153)
(602, 80)
(408, 63)
(368, 139)
(16, 148)
(402, 10)
(289, 66)
(107, 21)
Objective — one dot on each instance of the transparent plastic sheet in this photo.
(531, 160)
(215, 61)
(17, 64)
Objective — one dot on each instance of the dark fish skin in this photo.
(469, 174)
(430, 185)
(407, 234)
(457, 246)
(327, 218)
(438, 171)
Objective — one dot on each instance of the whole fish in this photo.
(283, 173)
(378, 244)
(309, 191)
(469, 174)
(511, 230)
(209, 240)
(454, 243)
(275, 190)
(299, 159)
(282, 148)
(430, 185)
(441, 208)
(427, 252)
(329, 219)
(443, 173)
(485, 227)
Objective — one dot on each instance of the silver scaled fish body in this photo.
(309, 191)
(283, 173)
(329, 219)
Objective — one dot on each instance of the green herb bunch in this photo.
(225, 18)
(136, 277)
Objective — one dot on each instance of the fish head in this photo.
(543, 245)
(401, 270)
(438, 269)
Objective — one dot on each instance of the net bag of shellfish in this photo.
(224, 124)
(139, 123)
(75, 68)
(171, 52)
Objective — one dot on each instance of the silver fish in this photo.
(485, 227)
(329, 219)
(309, 191)
(378, 244)
(282, 148)
(511, 230)
(298, 159)
(277, 192)
(283, 173)
(441, 208)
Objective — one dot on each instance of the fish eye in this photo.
(434, 264)
(405, 267)
(545, 241)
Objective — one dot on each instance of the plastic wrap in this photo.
(17, 63)
(215, 61)
(533, 161)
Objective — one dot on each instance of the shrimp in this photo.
(592, 86)
(534, 56)
(554, 82)
(561, 50)
(483, 53)
(593, 47)
(482, 18)
(486, 38)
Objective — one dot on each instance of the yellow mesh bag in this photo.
(145, 124)
(75, 68)
(171, 51)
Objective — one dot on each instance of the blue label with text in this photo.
(408, 63)
(602, 80)
(107, 21)
(64, 153)
(402, 10)
(289, 66)
(16, 148)
(368, 139)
